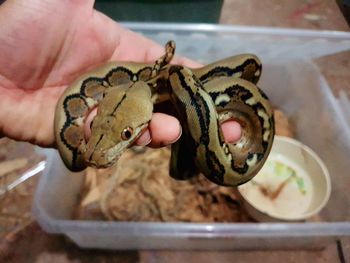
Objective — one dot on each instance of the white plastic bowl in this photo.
(293, 185)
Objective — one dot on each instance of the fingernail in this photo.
(144, 139)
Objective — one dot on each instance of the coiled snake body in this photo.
(203, 98)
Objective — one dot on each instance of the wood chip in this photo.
(139, 188)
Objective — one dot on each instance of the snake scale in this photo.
(125, 94)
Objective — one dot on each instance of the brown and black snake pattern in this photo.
(203, 98)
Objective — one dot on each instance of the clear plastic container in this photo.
(294, 84)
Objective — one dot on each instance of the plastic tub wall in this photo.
(294, 84)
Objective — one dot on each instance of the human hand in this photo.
(46, 45)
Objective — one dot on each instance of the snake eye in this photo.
(127, 133)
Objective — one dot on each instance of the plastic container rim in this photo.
(217, 28)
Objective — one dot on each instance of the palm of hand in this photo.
(45, 46)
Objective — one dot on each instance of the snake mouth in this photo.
(102, 165)
(103, 158)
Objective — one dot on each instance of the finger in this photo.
(163, 130)
(232, 131)
(88, 123)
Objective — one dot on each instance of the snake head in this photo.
(122, 115)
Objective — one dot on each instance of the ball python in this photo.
(125, 94)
